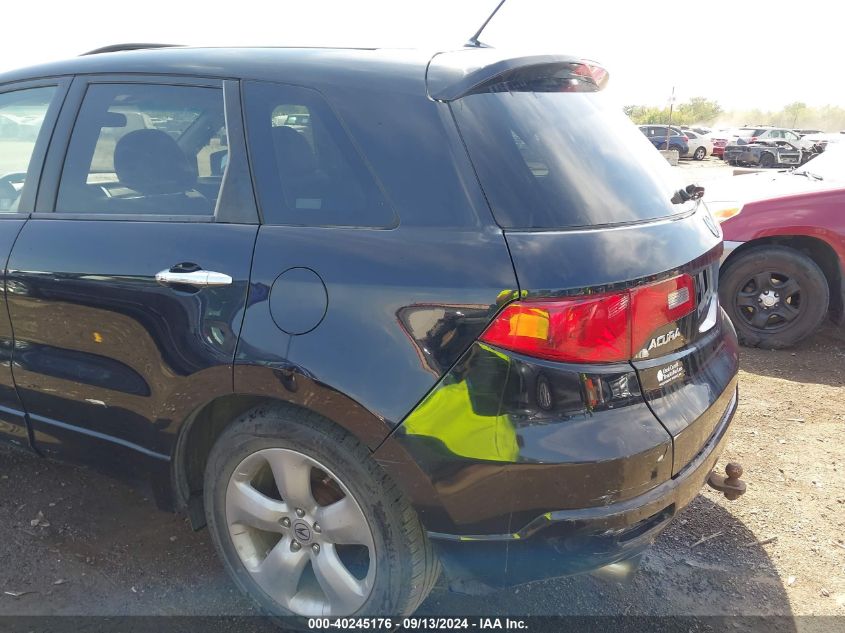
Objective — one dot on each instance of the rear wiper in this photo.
(690, 192)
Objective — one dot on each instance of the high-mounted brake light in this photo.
(592, 70)
(603, 328)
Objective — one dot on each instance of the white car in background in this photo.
(824, 138)
(700, 145)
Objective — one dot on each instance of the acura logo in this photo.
(302, 531)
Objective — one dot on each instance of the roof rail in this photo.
(114, 48)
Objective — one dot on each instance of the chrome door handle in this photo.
(196, 278)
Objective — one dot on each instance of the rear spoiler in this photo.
(455, 74)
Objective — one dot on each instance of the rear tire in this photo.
(767, 160)
(280, 468)
(700, 153)
(784, 277)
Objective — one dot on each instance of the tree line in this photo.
(703, 111)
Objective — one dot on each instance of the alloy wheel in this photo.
(300, 533)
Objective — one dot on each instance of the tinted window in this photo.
(307, 171)
(145, 149)
(21, 116)
(557, 159)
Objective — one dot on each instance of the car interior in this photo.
(161, 154)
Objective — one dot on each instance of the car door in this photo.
(128, 285)
(27, 114)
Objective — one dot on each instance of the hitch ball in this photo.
(731, 486)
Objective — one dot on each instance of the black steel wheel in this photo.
(774, 295)
(767, 160)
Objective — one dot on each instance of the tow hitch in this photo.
(731, 486)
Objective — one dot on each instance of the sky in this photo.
(742, 53)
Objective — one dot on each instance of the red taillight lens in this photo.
(587, 329)
(685, 139)
(753, 139)
(659, 304)
(603, 328)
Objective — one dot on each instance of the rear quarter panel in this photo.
(403, 303)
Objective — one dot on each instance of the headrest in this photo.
(293, 152)
(151, 163)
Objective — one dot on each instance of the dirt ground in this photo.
(101, 547)
(74, 542)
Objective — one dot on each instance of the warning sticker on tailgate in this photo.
(670, 373)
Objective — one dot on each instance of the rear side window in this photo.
(145, 149)
(22, 113)
(551, 160)
(307, 171)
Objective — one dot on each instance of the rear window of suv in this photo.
(550, 160)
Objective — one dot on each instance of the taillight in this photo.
(685, 139)
(753, 139)
(603, 328)
(659, 304)
(588, 329)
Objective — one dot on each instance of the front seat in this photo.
(151, 163)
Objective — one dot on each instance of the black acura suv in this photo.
(367, 314)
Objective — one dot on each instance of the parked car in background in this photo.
(700, 145)
(664, 137)
(782, 270)
(766, 153)
(823, 139)
(722, 138)
(754, 134)
(704, 131)
(460, 316)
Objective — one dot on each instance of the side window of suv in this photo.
(307, 171)
(145, 149)
(22, 113)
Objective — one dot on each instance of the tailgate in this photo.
(690, 387)
(687, 369)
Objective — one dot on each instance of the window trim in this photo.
(34, 172)
(48, 190)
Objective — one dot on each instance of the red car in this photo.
(719, 144)
(784, 262)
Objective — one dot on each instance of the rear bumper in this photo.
(568, 542)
